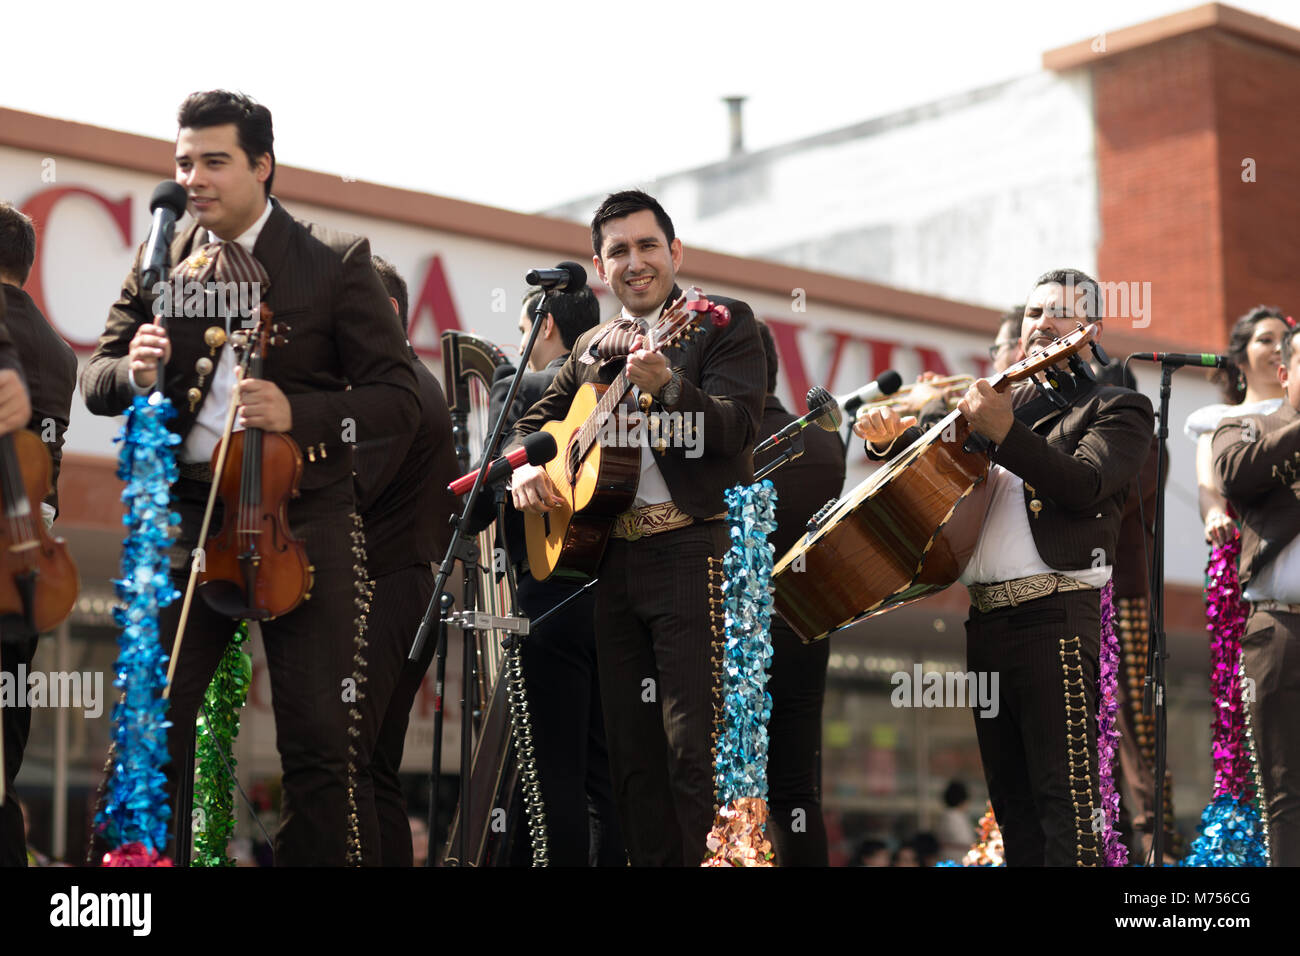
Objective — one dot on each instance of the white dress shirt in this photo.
(651, 489)
(1006, 550)
(211, 418)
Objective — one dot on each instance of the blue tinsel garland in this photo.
(741, 763)
(135, 811)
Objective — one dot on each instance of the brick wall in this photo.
(1257, 91)
(1174, 120)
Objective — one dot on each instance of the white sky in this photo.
(522, 105)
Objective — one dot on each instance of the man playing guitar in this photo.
(654, 631)
(1048, 544)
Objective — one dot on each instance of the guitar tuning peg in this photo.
(278, 340)
(282, 328)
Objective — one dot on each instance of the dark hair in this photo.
(1014, 314)
(1288, 343)
(1094, 303)
(17, 243)
(955, 794)
(773, 360)
(395, 285)
(620, 204)
(926, 845)
(869, 847)
(252, 121)
(574, 312)
(1230, 379)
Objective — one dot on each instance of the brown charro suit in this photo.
(347, 376)
(1257, 460)
(1077, 465)
(50, 368)
(653, 629)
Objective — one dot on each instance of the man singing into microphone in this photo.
(654, 631)
(345, 375)
(1047, 546)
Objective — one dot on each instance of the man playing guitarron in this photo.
(654, 632)
(1047, 546)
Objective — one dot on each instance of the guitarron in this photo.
(904, 533)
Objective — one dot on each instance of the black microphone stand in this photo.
(462, 548)
(794, 448)
(1153, 694)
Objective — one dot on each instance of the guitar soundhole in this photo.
(571, 456)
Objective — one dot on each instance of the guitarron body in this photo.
(567, 542)
(909, 529)
(889, 541)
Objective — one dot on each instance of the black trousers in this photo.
(654, 639)
(17, 726)
(399, 602)
(1271, 651)
(797, 683)
(309, 657)
(559, 662)
(1040, 750)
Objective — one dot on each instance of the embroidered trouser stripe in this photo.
(1039, 757)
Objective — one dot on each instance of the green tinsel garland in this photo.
(215, 732)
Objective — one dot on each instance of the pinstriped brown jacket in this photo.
(342, 332)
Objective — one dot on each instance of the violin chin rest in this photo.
(228, 600)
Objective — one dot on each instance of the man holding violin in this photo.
(32, 355)
(345, 377)
(1048, 545)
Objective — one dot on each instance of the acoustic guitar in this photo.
(598, 481)
(907, 531)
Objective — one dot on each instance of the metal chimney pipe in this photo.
(737, 124)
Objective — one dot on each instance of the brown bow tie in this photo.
(615, 341)
(225, 262)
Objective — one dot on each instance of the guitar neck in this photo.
(590, 429)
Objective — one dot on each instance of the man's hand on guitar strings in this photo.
(648, 370)
(988, 411)
(531, 489)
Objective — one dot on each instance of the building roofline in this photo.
(64, 138)
(1210, 16)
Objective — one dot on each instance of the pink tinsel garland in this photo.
(1115, 852)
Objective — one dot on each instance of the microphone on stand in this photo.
(566, 277)
(823, 411)
(536, 449)
(1182, 359)
(887, 384)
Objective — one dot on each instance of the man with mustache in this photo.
(1047, 547)
(654, 630)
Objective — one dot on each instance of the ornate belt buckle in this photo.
(627, 526)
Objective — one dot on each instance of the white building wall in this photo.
(969, 198)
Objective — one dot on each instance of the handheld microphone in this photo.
(167, 205)
(537, 449)
(887, 384)
(823, 411)
(566, 277)
(1181, 359)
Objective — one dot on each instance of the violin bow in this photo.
(196, 558)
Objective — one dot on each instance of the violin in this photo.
(38, 583)
(254, 568)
